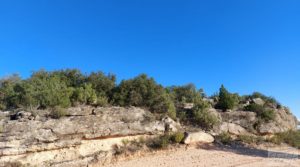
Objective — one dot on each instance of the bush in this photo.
(84, 95)
(203, 117)
(267, 115)
(224, 138)
(185, 94)
(160, 142)
(262, 112)
(254, 107)
(58, 112)
(142, 91)
(290, 137)
(250, 139)
(177, 137)
(226, 99)
(268, 100)
(102, 101)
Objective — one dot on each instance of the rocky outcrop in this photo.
(232, 128)
(198, 137)
(243, 119)
(243, 122)
(284, 121)
(82, 134)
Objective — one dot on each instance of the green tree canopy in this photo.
(226, 99)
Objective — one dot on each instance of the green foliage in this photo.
(290, 137)
(58, 112)
(270, 100)
(71, 77)
(267, 115)
(142, 91)
(250, 139)
(177, 137)
(226, 99)
(162, 142)
(185, 94)
(102, 101)
(8, 96)
(203, 117)
(254, 107)
(70, 87)
(262, 112)
(103, 84)
(84, 95)
(49, 90)
(224, 138)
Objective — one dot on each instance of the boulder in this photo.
(283, 122)
(258, 101)
(22, 116)
(188, 106)
(198, 137)
(80, 111)
(231, 128)
(244, 119)
(170, 124)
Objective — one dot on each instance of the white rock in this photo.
(198, 137)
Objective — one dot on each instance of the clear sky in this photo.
(248, 45)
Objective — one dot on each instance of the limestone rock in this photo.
(283, 122)
(77, 135)
(258, 101)
(244, 119)
(198, 137)
(232, 128)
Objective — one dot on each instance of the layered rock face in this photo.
(82, 135)
(245, 122)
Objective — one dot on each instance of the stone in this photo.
(244, 119)
(22, 116)
(232, 128)
(188, 106)
(197, 137)
(258, 101)
(283, 122)
(76, 136)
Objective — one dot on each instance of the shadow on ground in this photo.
(250, 151)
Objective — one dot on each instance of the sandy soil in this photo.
(209, 156)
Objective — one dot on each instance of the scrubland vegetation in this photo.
(64, 88)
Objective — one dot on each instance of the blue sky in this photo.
(250, 45)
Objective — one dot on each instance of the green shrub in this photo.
(142, 91)
(250, 139)
(226, 99)
(160, 142)
(203, 117)
(177, 137)
(125, 142)
(290, 137)
(102, 101)
(84, 95)
(224, 138)
(267, 115)
(254, 107)
(58, 112)
(185, 94)
(262, 112)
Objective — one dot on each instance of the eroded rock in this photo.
(198, 137)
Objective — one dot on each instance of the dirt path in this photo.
(210, 157)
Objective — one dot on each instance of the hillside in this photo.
(66, 118)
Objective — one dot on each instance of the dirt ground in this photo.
(210, 156)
